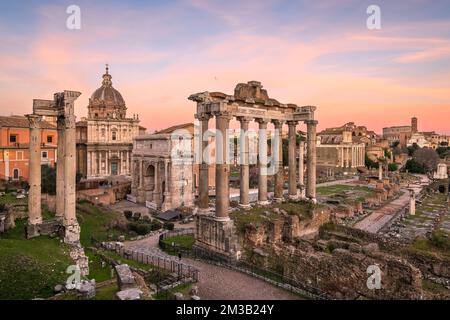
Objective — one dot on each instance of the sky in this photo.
(317, 53)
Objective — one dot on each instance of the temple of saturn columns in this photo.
(62, 107)
(250, 102)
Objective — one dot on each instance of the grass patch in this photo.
(31, 268)
(107, 292)
(165, 295)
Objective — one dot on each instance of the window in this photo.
(114, 135)
(44, 155)
(13, 138)
(16, 174)
(103, 133)
(49, 139)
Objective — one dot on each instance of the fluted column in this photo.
(34, 179)
(262, 162)
(279, 175)
(292, 166)
(301, 168)
(203, 186)
(222, 166)
(60, 168)
(72, 234)
(311, 159)
(244, 163)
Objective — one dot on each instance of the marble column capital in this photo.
(262, 122)
(203, 116)
(243, 120)
(278, 124)
(292, 123)
(311, 122)
(34, 121)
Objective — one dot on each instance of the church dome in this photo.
(107, 102)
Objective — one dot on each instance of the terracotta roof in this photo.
(177, 127)
(21, 122)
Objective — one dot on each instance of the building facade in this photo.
(14, 147)
(163, 169)
(105, 137)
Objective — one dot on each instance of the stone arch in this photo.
(149, 181)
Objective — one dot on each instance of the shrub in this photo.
(169, 226)
(156, 225)
(128, 214)
(136, 216)
(140, 228)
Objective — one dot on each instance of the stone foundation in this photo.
(216, 236)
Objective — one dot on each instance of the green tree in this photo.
(414, 167)
(370, 163)
(392, 167)
(412, 149)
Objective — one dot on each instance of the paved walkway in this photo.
(380, 217)
(219, 283)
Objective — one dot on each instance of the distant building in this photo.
(401, 134)
(418, 139)
(105, 137)
(14, 147)
(163, 169)
(342, 149)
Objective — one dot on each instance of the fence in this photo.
(181, 269)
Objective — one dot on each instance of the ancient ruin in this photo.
(62, 107)
(250, 102)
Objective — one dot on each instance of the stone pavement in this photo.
(218, 282)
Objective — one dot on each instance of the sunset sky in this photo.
(305, 52)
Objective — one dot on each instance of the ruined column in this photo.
(292, 167)
(380, 171)
(222, 166)
(72, 228)
(262, 162)
(60, 168)
(412, 202)
(244, 163)
(301, 169)
(34, 196)
(279, 176)
(311, 159)
(203, 187)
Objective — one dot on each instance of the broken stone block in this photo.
(193, 291)
(87, 289)
(129, 294)
(371, 247)
(178, 296)
(195, 298)
(125, 277)
(58, 288)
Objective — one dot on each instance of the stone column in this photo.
(279, 175)
(60, 168)
(128, 170)
(301, 169)
(380, 171)
(244, 163)
(72, 229)
(311, 159)
(262, 162)
(222, 166)
(203, 185)
(292, 167)
(141, 191)
(412, 202)
(34, 179)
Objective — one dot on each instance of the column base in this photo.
(72, 234)
(294, 197)
(278, 200)
(32, 231)
(264, 203)
(221, 219)
(312, 200)
(245, 206)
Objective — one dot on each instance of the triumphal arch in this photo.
(250, 102)
(61, 107)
